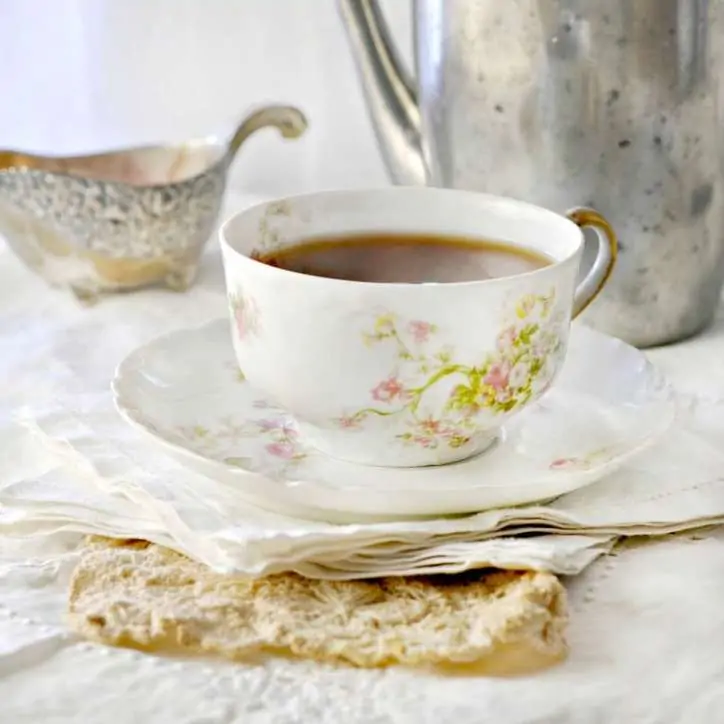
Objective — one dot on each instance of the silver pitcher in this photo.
(613, 104)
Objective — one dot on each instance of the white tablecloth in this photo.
(647, 628)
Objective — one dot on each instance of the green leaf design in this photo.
(528, 339)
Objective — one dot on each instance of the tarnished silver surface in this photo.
(123, 219)
(615, 105)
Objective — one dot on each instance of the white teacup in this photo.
(406, 375)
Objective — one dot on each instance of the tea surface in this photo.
(406, 258)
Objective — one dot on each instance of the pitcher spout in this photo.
(389, 92)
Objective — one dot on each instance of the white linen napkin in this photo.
(97, 475)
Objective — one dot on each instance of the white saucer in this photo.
(185, 391)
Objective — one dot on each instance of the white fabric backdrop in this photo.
(82, 74)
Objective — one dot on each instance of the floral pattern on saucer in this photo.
(276, 432)
(519, 369)
(586, 462)
(183, 391)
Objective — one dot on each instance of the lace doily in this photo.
(137, 594)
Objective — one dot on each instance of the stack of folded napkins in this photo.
(85, 470)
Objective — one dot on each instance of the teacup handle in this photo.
(602, 267)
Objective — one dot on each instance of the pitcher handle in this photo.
(606, 254)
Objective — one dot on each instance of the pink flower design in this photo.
(285, 428)
(240, 318)
(269, 424)
(506, 338)
(430, 432)
(245, 315)
(563, 463)
(584, 462)
(497, 376)
(420, 330)
(285, 450)
(424, 441)
(388, 390)
(348, 422)
(430, 426)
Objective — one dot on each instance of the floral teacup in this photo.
(396, 374)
